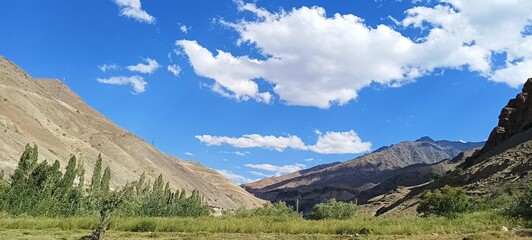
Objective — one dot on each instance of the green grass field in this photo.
(479, 225)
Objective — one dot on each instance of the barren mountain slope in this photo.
(49, 114)
(504, 161)
(345, 181)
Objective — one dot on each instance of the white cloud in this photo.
(255, 140)
(233, 74)
(309, 159)
(133, 9)
(108, 67)
(183, 28)
(278, 170)
(315, 60)
(328, 143)
(174, 69)
(189, 154)
(137, 82)
(241, 153)
(238, 179)
(340, 142)
(259, 174)
(150, 66)
(238, 153)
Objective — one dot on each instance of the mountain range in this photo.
(364, 177)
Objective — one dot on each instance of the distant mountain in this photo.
(505, 161)
(49, 114)
(346, 181)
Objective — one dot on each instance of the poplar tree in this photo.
(96, 178)
(106, 179)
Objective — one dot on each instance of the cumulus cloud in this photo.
(340, 142)
(238, 179)
(254, 141)
(133, 9)
(150, 66)
(328, 143)
(137, 82)
(108, 67)
(278, 170)
(231, 73)
(312, 59)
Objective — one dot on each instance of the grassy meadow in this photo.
(477, 225)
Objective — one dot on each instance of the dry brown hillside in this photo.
(48, 113)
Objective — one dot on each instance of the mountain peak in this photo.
(425, 139)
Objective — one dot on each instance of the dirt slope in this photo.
(49, 114)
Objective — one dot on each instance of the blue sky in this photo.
(262, 88)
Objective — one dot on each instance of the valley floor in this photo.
(480, 225)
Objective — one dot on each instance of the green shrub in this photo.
(334, 210)
(146, 225)
(523, 206)
(276, 209)
(447, 201)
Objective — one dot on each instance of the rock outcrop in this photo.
(515, 117)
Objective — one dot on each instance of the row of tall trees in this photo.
(42, 189)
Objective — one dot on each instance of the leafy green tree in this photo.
(333, 209)
(27, 162)
(40, 189)
(447, 201)
(67, 182)
(80, 174)
(109, 204)
(106, 180)
(96, 178)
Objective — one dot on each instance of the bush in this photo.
(146, 225)
(447, 201)
(334, 210)
(523, 205)
(276, 209)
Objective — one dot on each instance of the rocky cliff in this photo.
(515, 117)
